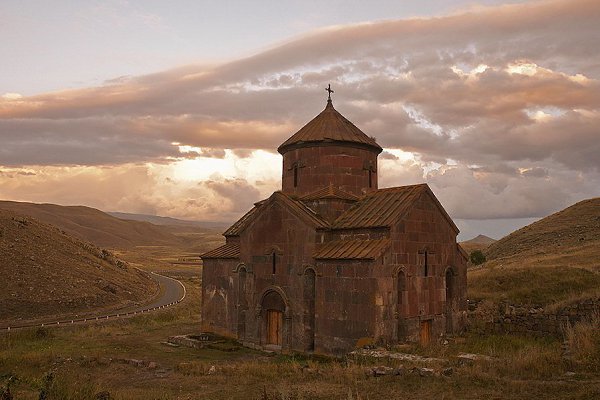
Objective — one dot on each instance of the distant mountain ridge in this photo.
(481, 239)
(158, 220)
(480, 242)
(95, 226)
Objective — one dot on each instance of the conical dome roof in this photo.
(329, 126)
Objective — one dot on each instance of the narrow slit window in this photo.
(295, 175)
(370, 178)
(425, 253)
(274, 261)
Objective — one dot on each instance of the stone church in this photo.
(331, 262)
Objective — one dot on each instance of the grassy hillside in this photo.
(575, 229)
(48, 272)
(143, 244)
(553, 260)
(96, 226)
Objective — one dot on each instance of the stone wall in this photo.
(347, 167)
(535, 321)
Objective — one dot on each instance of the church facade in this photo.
(331, 262)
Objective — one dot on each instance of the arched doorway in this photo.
(273, 308)
(309, 309)
(400, 305)
(449, 299)
(242, 303)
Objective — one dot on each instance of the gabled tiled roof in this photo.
(380, 208)
(352, 249)
(329, 126)
(301, 210)
(384, 207)
(329, 192)
(295, 205)
(236, 228)
(228, 250)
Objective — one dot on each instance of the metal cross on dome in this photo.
(329, 91)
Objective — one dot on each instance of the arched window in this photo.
(401, 287)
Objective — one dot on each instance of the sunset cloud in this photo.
(500, 108)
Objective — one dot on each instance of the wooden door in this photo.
(274, 327)
(425, 332)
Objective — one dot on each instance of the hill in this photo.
(96, 226)
(169, 221)
(480, 242)
(555, 259)
(572, 229)
(48, 272)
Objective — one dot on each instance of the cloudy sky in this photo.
(176, 108)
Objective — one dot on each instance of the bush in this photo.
(477, 257)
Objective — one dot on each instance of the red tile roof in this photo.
(329, 126)
(301, 210)
(380, 208)
(352, 249)
(240, 224)
(228, 250)
(295, 205)
(329, 192)
(384, 207)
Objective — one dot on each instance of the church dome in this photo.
(329, 127)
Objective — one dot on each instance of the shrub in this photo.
(477, 257)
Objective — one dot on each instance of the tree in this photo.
(477, 257)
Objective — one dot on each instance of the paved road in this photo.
(172, 292)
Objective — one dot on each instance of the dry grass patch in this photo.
(535, 285)
(584, 343)
(86, 360)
